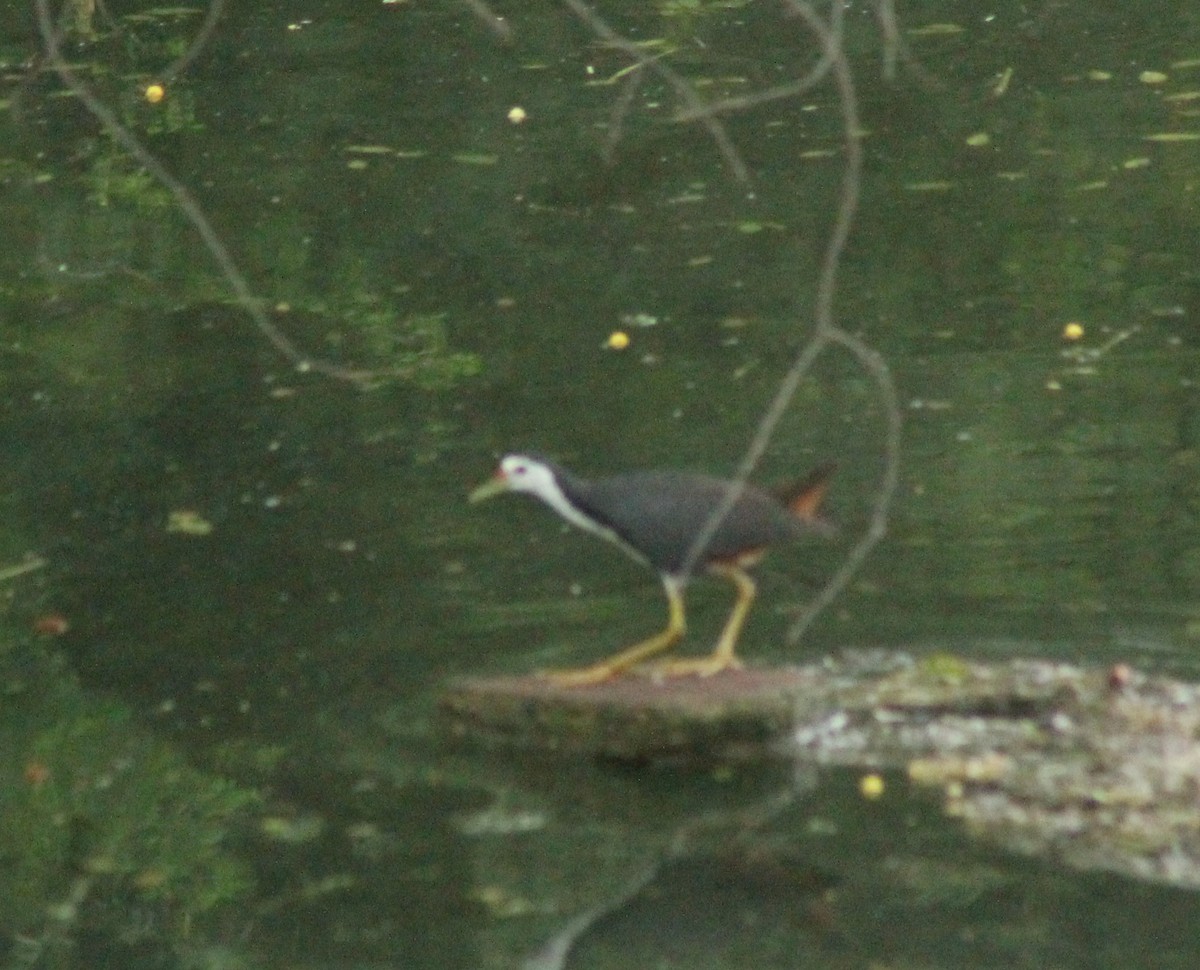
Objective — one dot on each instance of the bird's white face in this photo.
(524, 474)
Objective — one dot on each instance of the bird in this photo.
(658, 517)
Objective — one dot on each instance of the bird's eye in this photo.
(520, 470)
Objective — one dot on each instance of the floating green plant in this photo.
(106, 826)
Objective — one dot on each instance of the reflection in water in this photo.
(79, 240)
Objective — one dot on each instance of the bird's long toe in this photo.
(708, 666)
(580, 676)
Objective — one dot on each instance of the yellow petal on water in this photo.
(1173, 136)
(1132, 163)
(1182, 96)
(1186, 65)
(188, 522)
(1153, 77)
(1092, 186)
(1099, 75)
(979, 140)
(368, 149)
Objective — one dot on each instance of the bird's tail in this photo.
(805, 498)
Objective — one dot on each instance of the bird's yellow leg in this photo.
(724, 656)
(631, 656)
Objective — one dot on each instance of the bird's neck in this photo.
(570, 499)
(565, 484)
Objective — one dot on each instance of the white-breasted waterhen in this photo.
(656, 517)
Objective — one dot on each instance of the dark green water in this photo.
(360, 166)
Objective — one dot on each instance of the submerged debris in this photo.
(1097, 767)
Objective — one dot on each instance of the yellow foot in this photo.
(580, 676)
(694, 666)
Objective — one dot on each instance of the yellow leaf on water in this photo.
(188, 522)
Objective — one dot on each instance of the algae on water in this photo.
(106, 827)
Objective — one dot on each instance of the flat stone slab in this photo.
(735, 715)
(1098, 768)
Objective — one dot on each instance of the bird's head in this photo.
(519, 473)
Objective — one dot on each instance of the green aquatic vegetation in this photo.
(419, 345)
(414, 348)
(683, 19)
(114, 179)
(174, 113)
(107, 827)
